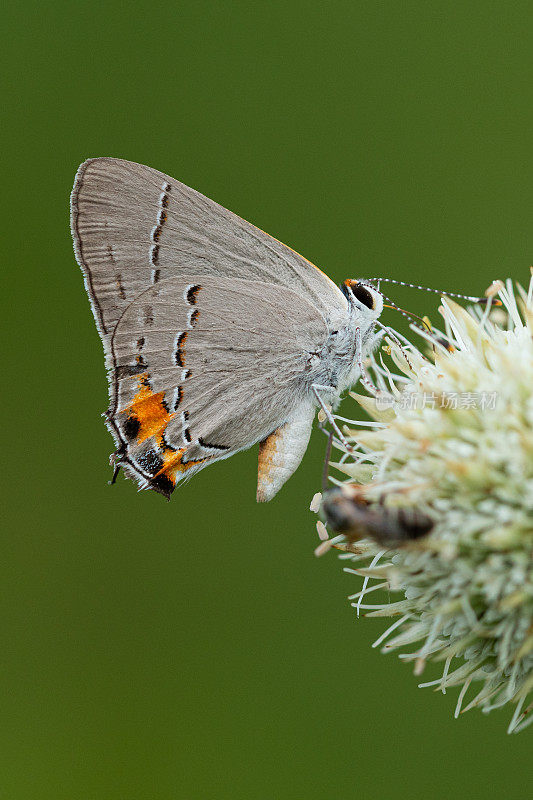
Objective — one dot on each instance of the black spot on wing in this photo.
(162, 484)
(131, 427)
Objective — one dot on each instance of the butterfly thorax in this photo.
(337, 365)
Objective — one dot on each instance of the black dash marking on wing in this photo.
(155, 233)
(178, 397)
(205, 444)
(179, 351)
(185, 430)
(154, 254)
(191, 294)
(163, 197)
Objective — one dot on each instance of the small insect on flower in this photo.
(348, 512)
(437, 503)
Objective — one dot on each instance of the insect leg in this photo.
(115, 474)
(363, 374)
(316, 387)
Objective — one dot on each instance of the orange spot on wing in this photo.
(173, 463)
(149, 409)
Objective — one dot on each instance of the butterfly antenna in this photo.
(407, 314)
(425, 325)
(470, 298)
(410, 315)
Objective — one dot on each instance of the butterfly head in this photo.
(363, 297)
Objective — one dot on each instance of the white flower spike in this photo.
(444, 480)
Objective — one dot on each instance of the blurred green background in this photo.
(197, 649)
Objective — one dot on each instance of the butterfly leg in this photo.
(317, 388)
(363, 373)
(115, 459)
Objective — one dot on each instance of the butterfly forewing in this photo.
(133, 226)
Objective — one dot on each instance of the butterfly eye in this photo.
(361, 293)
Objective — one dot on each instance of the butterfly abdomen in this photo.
(281, 452)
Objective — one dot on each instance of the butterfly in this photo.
(216, 336)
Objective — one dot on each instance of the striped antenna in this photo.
(472, 299)
(417, 322)
(410, 315)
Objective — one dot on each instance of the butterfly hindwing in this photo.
(202, 368)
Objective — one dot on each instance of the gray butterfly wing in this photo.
(134, 226)
(200, 369)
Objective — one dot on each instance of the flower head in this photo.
(451, 440)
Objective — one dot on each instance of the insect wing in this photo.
(201, 369)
